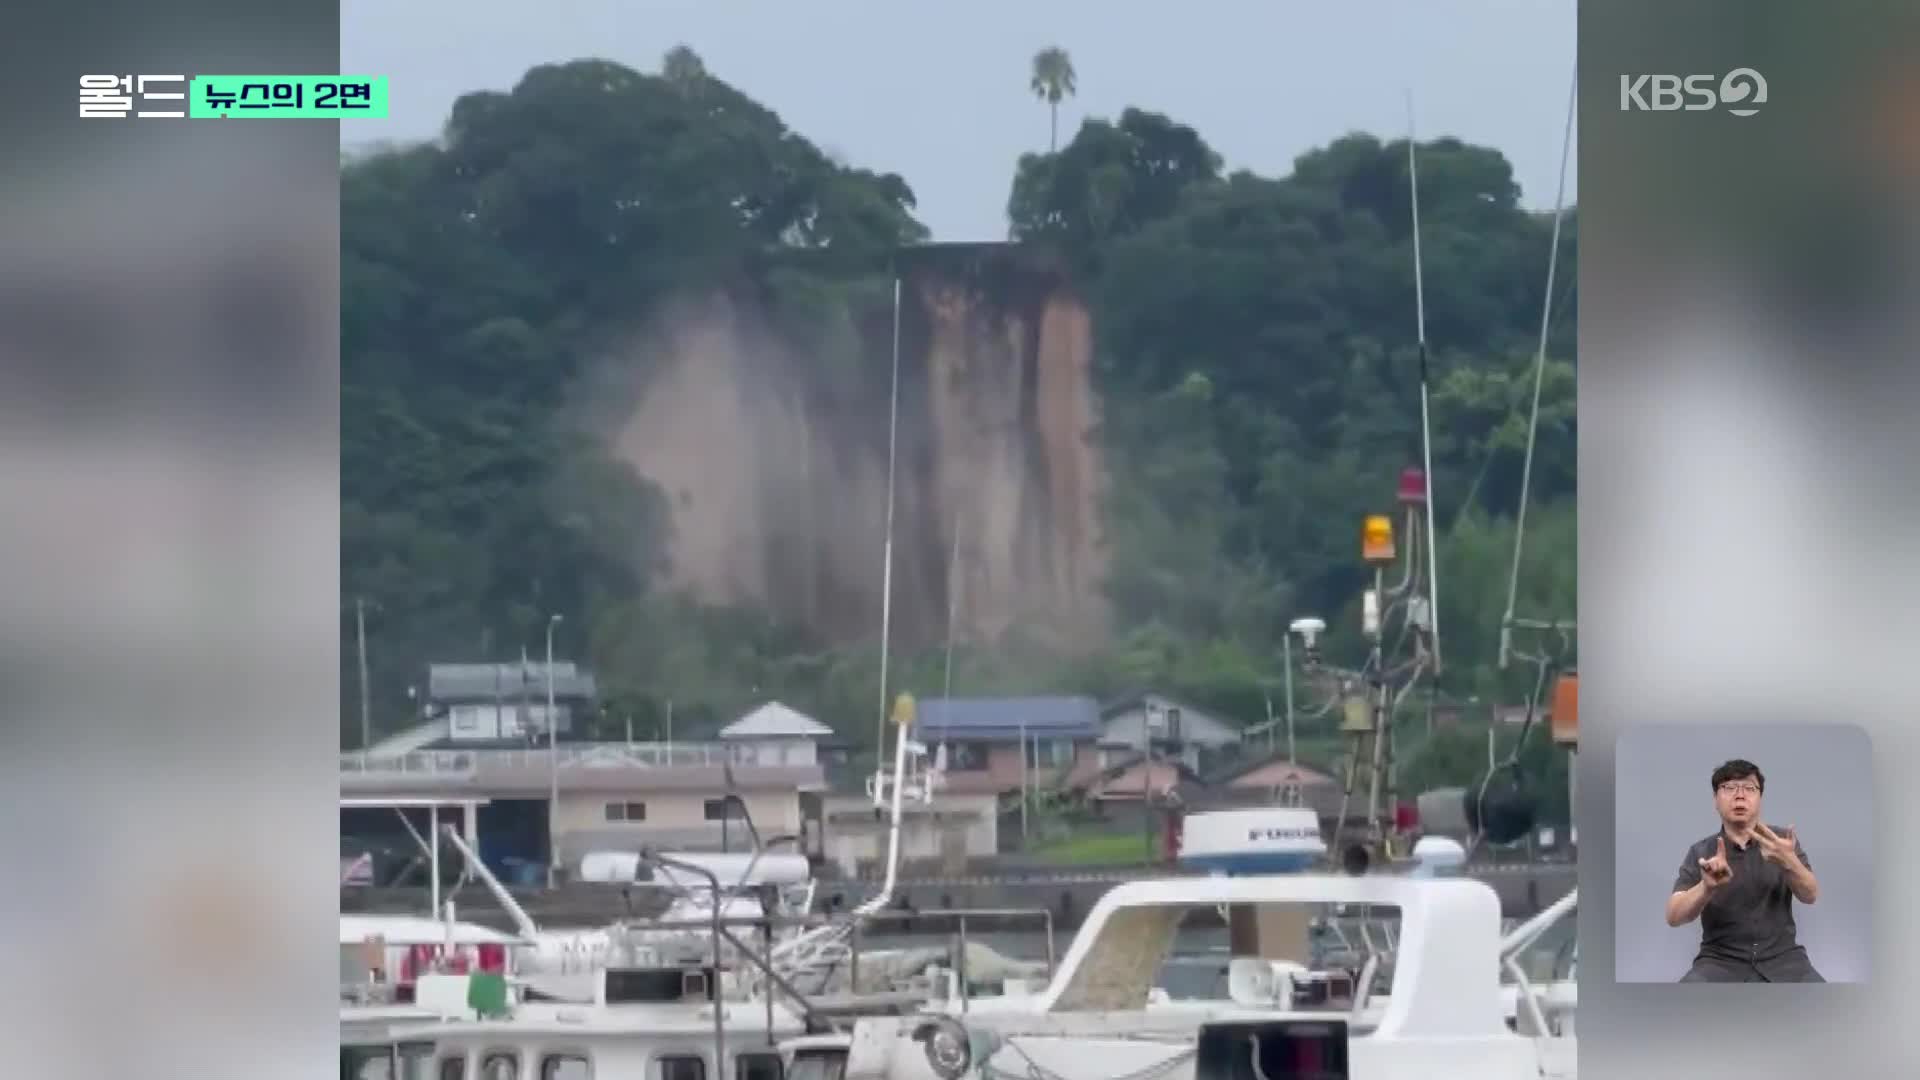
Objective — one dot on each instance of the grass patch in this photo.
(1100, 849)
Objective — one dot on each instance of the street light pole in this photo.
(1023, 781)
(1286, 645)
(553, 767)
(366, 695)
(1146, 792)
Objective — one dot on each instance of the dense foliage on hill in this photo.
(1255, 358)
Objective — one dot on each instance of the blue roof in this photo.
(1005, 718)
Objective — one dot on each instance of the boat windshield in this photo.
(408, 1061)
(827, 1063)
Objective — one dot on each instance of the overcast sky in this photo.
(937, 92)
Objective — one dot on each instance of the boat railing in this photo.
(958, 926)
(772, 981)
(1532, 999)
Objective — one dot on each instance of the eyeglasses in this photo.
(1736, 787)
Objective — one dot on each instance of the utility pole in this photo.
(953, 608)
(1023, 781)
(1286, 645)
(553, 767)
(886, 557)
(1146, 793)
(366, 694)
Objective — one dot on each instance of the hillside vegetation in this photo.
(504, 293)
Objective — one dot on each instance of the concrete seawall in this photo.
(1523, 890)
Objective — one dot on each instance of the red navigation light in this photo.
(1406, 817)
(1413, 485)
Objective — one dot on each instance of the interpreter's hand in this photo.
(1776, 847)
(1715, 871)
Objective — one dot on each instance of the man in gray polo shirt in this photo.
(1741, 883)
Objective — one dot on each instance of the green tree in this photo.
(682, 66)
(1053, 81)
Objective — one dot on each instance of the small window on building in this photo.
(1056, 753)
(626, 811)
(566, 1067)
(966, 757)
(756, 1067)
(453, 1068)
(500, 1065)
(719, 809)
(681, 1067)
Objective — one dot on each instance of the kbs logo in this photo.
(1741, 92)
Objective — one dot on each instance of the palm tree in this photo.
(1052, 81)
(682, 65)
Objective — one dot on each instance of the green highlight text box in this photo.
(287, 97)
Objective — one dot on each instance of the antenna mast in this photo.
(1545, 660)
(1539, 377)
(1426, 424)
(886, 557)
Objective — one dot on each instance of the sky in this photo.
(938, 92)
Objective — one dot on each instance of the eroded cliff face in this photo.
(777, 479)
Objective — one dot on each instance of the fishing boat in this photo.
(382, 957)
(1435, 1008)
(1432, 1007)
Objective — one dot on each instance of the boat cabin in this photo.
(381, 956)
(1430, 1004)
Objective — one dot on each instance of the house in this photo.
(534, 803)
(483, 703)
(774, 734)
(768, 760)
(1273, 780)
(1277, 778)
(1177, 729)
(1127, 781)
(982, 738)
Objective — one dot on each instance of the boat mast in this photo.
(886, 557)
(1547, 660)
(1372, 695)
(1426, 423)
(1507, 621)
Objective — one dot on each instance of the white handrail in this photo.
(1523, 936)
(521, 920)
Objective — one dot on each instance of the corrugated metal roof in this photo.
(485, 682)
(1005, 718)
